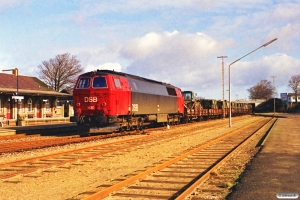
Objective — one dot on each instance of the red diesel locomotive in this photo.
(116, 100)
(109, 101)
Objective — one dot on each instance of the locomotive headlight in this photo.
(77, 112)
(78, 104)
(103, 104)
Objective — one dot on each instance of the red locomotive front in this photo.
(97, 99)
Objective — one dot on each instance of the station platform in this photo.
(274, 171)
(43, 129)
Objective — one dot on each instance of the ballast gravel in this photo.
(70, 180)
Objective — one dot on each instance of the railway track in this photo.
(178, 177)
(37, 142)
(31, 165)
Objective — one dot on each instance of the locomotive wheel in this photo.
(130, 126)
(142, 130)
(120, 129)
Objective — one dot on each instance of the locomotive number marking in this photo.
(135, 107)
(90, 99)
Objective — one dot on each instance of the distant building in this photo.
(67, 102)
(29, 97)
(289, 99)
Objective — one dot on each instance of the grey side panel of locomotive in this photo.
(152, 98)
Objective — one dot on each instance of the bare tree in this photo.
(262, 90)
(60, 72)
(294, 83)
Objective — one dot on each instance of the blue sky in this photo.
(171, 41)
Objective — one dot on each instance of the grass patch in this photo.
(228, 185)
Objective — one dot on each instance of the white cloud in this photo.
(184, 60)
(140, 5)
(142, 47)
(189, 61)
(170, 44)
(8, 4)
(109, 66)
(282, 66)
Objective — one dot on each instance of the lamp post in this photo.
(230, 123)
(273, 95)
(16, 73)
(223, 84)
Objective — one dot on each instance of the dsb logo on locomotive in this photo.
(90, 99)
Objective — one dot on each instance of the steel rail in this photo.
(139, 142)
(44, 143)
(192, 187)
(107, 191)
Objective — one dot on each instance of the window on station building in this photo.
(0, 106)
(47, 105)
(59, 103)
(29, 105)
(20, 106)
(99, 82)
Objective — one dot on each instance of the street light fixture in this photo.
(230, 123)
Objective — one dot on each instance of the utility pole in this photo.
(223, 109)
(274, 92)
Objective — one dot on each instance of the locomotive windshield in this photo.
(83, 83)
(99, 82)
(187, 96)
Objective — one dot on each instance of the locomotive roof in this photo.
(126, 75)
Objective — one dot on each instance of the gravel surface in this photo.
(25, 139)
(69, 181)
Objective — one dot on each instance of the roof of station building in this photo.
(26, 85)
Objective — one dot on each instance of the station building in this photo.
(29, 99)
(290, 99)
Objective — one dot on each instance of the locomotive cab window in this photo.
(83, 83)
(117, 83)
(99, 82)
(187, 96)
